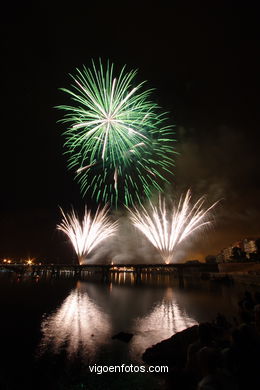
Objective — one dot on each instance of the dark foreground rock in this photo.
(123, 336)
(172, 351)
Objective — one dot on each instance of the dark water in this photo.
(52, 329)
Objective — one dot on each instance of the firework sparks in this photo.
(115, 179)
(84, 168)
(85, 235)
(166, 229)
(113, 124)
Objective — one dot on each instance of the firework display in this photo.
(121, 149)
(117, 140)
(166, 228)
(85, 235)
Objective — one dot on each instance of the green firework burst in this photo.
(117, 141)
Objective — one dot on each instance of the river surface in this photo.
(52, 329)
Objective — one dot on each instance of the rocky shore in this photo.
(214, 356)
(172, 351)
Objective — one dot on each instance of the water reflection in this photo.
(165, 319)
(166, 316)
(152, 310)
(78, 326)
(93, 312)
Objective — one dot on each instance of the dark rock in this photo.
(172, 351)
(123, 336)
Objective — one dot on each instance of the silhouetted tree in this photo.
(210, 259)
(257, 243)
(238, 254)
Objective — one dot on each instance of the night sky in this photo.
(202, 60)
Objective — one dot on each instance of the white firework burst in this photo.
(166, 229)
(85, 235)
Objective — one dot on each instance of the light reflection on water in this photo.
(72, 326)
(153, 308)
(92, 313)
(166, 319)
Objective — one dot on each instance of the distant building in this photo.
(227, 253)
(250, 246)
(242, 249)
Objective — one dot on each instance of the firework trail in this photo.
(85, 235)
(165, 229)
(117, 141)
